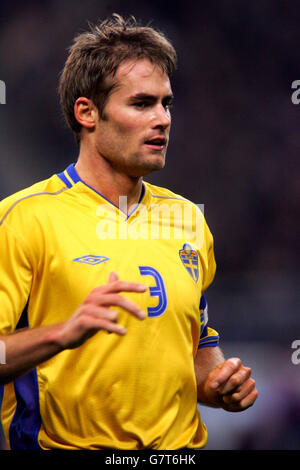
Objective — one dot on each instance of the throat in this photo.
(122, 190)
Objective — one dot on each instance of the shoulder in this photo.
(163, 196)
(191, 213)
(158, 192)
(30, 198)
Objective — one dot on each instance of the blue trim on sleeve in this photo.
(204, 332)
(209, 345)
(209, 341)
(203, 302)
(25, 425)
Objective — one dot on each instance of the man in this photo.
(102, 313)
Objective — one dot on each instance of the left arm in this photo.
(223, 383)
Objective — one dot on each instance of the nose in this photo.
(162, 117)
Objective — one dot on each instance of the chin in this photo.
(149, 167)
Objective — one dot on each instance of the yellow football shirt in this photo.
(59, 239)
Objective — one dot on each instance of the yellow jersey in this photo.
(59, 239)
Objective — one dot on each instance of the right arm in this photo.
(27, 348)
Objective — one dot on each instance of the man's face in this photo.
(134, 132)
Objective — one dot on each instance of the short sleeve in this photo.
(15, 278)
(208, 336)
(209, 260)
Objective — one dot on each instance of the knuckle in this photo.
(117, 300)
(235, 398)
(85, 310)
(250, 385)
(247, 371)
(112, 315)
(234, 381)
(117, 285)
(252, 382)
(87, 300)
(91, 297)
(95, 291)
(116, 297)
(244, 375)
(235, 362)
(82, 322)
(89, 309)
(111, 299)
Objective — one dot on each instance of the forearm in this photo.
(223, 383)
(206, 360)
(27, 348)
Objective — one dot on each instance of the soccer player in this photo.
(103, 314)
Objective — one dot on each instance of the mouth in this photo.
(156, 143)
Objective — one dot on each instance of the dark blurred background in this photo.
(235, 146)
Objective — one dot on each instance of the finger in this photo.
(235, 381)
(97, 311)
(105, 313)
(245, 403)
(126, 304)
(240, 394)
(94, 324)
(113, 277)
(249, 399)
(225, 370)
(120, 286)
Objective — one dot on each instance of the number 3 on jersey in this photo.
(158, 290)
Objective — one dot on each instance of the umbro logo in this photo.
(91, 259)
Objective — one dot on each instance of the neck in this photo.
(98, 173)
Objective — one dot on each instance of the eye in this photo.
(140, 104)
(167, 106)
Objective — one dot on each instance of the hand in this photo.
(94, 313)
(229, 386)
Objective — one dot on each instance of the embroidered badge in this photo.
(91, 259)
(190, 260)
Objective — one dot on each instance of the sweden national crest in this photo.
(190, 260)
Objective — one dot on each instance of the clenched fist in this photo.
(230, 386)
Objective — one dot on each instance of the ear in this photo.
(85, 112)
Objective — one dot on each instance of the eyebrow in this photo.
(152, 98)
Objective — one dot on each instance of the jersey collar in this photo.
(70, 177)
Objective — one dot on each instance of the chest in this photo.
(81, 250)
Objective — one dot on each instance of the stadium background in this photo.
(234, 147)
